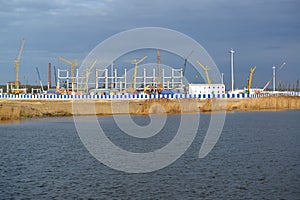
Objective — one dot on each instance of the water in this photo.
(256, 157)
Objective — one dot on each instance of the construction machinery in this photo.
(250, 79)
(185, 62)
(49, 76)
(88, 73)
(40, 80)
(17, 62)
(136, 62)
(14, 87)
(55, 75)
(72, 65)
(159, 83)
(206, 68)
(268, 83)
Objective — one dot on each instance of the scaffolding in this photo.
(111, 79)
(171, 80)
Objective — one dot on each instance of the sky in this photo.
(263, 33)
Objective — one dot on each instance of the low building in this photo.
(206, 89)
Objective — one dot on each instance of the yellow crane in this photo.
(206, 71)
(88, 73)
(159, 84)
(250, 78)
(136, 62)
(17, 62)
(72, 65)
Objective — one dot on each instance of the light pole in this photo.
(222, 78)
(232, 74)
(274, 75)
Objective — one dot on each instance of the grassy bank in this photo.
(18, 109)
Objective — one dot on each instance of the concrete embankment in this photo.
(18, 109)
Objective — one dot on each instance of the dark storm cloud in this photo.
(262, 32)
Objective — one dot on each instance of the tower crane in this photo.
(136, 62)
(206, 71)
(17, 62)
(88, 73)
(72, 65)
(250, 78)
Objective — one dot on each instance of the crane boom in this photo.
(72, 65)
(158, 67)
(185, 62)
(55, 76)
(250, 78)
(267, 84)
(88, 73)
(278, 70)
(206, 71)
(159, 78)
(135, 62)
(17, 62)
(40, 80)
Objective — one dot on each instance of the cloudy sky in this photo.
(262, 32)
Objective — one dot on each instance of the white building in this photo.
(206, 88)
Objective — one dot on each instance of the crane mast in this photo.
(158, 67)
(88, 73)
(72, 65)
(250, 78)
(17, 62)
(159, 79)
(185, 62)
(135, 62)
(40, 80)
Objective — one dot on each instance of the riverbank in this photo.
(14, 109)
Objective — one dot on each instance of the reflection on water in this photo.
(10, 121)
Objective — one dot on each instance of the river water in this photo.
(256, 157)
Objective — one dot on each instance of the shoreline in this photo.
(21, 109)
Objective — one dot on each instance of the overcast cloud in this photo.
(263, 33)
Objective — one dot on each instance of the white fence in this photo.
(141, 96)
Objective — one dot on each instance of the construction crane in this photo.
(40, 80)
(159, 84)
(88, 73)
(17, 62)
(136, 62)
(250, 78)
(55, 76)
(72, 65)
(268, 83)
(206, 71)
(185, 62)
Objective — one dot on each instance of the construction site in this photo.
(113, 80)
(148, 87)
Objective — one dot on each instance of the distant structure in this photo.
(274, 75)
(231, 63)
(222, 78)
(206, 89)
(49, 76)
